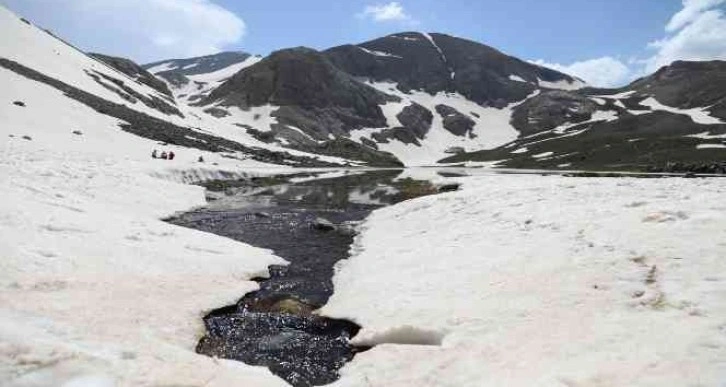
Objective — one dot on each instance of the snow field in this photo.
(492, 128)
(547, 281)
(93, 286)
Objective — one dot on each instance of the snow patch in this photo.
(562, 84)
(711, 146)
(543, 155)
(162, 67)
(440, 51)
(492, 127)
(707, 136)
(517, 78)
(379, 53)
(698, 115)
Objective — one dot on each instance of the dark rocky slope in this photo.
(153, 128)
(688, 85)
(635, 138)
(134, 71)
(315, 97)
(444, 63)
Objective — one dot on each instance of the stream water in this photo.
(310, 222)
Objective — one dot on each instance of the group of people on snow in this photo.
(164, 155)
(168, 155)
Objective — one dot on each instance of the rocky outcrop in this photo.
(416, 119)
(315, 96)
(442, 63)
(455, 122)
(134, 71)
(550, 110)
(687, 85)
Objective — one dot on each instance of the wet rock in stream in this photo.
(311, 226)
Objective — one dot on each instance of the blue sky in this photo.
(606, 42)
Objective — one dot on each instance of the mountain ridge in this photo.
(408, 98)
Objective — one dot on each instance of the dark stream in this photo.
(311, 225)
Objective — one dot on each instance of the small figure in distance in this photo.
(201, 159)
(163, 155)
(171, 155)
(154, 155)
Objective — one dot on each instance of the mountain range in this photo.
(409, 98)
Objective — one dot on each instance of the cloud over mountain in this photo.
(142, 29)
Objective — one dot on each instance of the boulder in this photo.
(322, 224)
(455, 122)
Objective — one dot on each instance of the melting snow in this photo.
(711, 146)
(562, 85)
(492, 127)
(698, 115)
(441, 53)
(379, 53)
(707, 136)
(162, 67)
(517, 78)
(543, 155)
(532, 281)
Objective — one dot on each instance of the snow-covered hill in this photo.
(94, 287)
(37, 57)
(673, 120)
(528, 280)
(194, 78)
(444, 95)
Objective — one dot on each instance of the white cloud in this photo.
(392, 11)
(602, 72)
(697, 32)
(691, 10)
(141, 29)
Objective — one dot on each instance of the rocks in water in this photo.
(322, 224)
(303, 350)
(454, 121)
(347, 228)
(449, 187)
(291, 306)
(19, 103)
